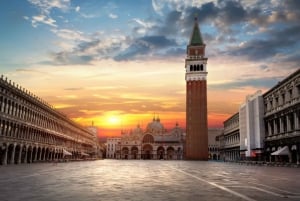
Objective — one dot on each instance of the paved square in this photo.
(147, 180)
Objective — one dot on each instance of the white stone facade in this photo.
(112, 144)
(251, 126)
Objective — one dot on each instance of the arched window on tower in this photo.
(195, 68)
(191, 68)
(201, 67)
(198, 67)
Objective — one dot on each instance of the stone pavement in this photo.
(147, 180)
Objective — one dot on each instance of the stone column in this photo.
(25, 160)
(30, 156)
(296, 120)
(276, 131)
(12, 158)
(40, 156)
(44, 156)
(281, 124)
(288, 123)
(269, 129)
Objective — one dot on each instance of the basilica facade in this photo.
(155, 142)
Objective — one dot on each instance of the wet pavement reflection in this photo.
(147, 180)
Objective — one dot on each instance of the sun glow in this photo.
(113, 120)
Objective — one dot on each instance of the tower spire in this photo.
(196, 38)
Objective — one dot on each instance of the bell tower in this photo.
(196, 98)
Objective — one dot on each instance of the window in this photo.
(201, 67)
(283, 98)
(290, 94)
(276, 101)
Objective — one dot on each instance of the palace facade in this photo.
(282, 119)
(155, 142)
(31, 130)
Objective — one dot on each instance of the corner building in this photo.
(196, 98)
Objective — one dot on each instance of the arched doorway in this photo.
(34, 152)
(147, 152)
(10, 154)
(134, 152)
(17, 154)
(125, 152)
(179, 153)
(170, 153)
(43, 154)
(2, 153)
(160, 153)
(47, 154)
(23, 154)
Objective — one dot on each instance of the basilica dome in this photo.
(155, 126)
(137, 130)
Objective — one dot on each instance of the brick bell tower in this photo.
(196, 98)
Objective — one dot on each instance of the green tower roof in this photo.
(196, 38)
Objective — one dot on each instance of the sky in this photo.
(120, 63)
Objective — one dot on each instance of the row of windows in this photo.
(282, 124)
(14, 130)
(196, 67)
(232, 139)
(212, 149)
(282, 98)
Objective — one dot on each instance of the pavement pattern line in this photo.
(215, 185)
(271, 187)
(262, 190)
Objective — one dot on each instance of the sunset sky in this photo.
(117, 63)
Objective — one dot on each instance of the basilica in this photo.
(155, 142)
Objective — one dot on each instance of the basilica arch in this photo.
(147, 151)
(125, 152)
(160, 153)
(171, 153)
(134, 152)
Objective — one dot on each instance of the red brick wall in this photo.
(196, 120)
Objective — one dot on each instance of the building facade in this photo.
(31, 130)
(155, 142)
(230, 139)
(98, 147)
(282, 119)
(214, 143)
(196, 98)
(251, 126)
(112, 147)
